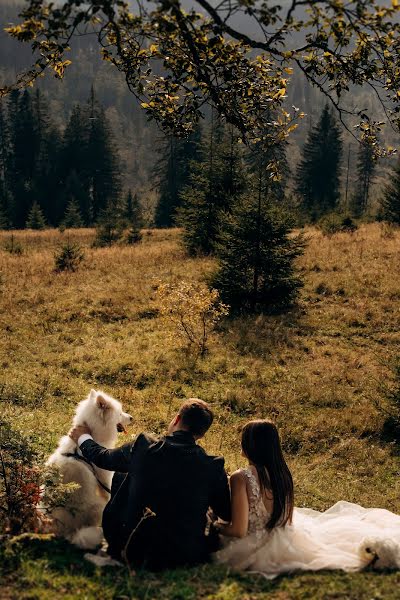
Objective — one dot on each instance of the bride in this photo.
(269, 535)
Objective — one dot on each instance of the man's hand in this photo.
(79, 430)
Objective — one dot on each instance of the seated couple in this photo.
(164, 490)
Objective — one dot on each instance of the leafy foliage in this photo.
(205, 59)
(194, 311)
(21, 480)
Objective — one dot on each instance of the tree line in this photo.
(318, 186)
(228, 205)
(69, 177)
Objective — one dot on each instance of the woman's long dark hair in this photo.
(261, 445)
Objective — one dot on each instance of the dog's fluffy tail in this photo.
(88, 538)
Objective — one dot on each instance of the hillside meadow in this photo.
(323, 372)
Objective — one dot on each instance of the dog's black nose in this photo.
(130, 418)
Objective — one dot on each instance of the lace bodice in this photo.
(258, 514)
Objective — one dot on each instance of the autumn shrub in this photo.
(193, 309)
(22, 481)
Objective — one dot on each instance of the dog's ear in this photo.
(93, 395)
(102, 402)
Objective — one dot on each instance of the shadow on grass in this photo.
(265, 335)
(38, 567)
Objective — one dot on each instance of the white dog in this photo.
(79, 520)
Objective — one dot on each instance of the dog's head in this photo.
(104, 416)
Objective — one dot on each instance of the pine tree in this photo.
(73, 217)
(133, 210)
(23, 155)
(365, 174)
(257, 256)
(318, 174)
(110, 225)
(102, 161)
(74, 169)
(390, 206)
(35, 218)
(4, 218)
(214, 183)
(4, 163)
(172, 172)
(133, 217)
(46, 182)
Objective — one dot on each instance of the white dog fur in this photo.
(79, 520)
(381, 553)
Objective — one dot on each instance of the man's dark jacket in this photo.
(178, 481)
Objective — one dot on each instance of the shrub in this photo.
(19, 481)
(69, 257)
(22, 478)
(193, 309)
(335, 223)
(13, 247)
(134, 236)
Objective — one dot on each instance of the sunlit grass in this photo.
(319, 371)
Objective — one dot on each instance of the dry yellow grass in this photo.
(319, 371)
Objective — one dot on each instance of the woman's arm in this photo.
(240, 508)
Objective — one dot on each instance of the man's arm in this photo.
(104, 458)
(220, 498)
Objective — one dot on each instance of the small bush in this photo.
(335, 223)
(22, 479)
(134, 236)
(19, 481)
(13, 247)
(193, 309)
(69, 257)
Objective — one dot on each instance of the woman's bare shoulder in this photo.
(238, 477)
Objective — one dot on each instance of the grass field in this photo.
(322, 372)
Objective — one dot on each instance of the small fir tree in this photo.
(110, 225)
(317, 179)
(390, 206)
(133, 217)
(35, 218)
(68, 257)
(73, 217)
(365, 175)
(257, 255)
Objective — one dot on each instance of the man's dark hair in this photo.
(196, 416)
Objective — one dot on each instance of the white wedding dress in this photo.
(346, 536)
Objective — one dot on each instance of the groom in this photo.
(174, 478)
